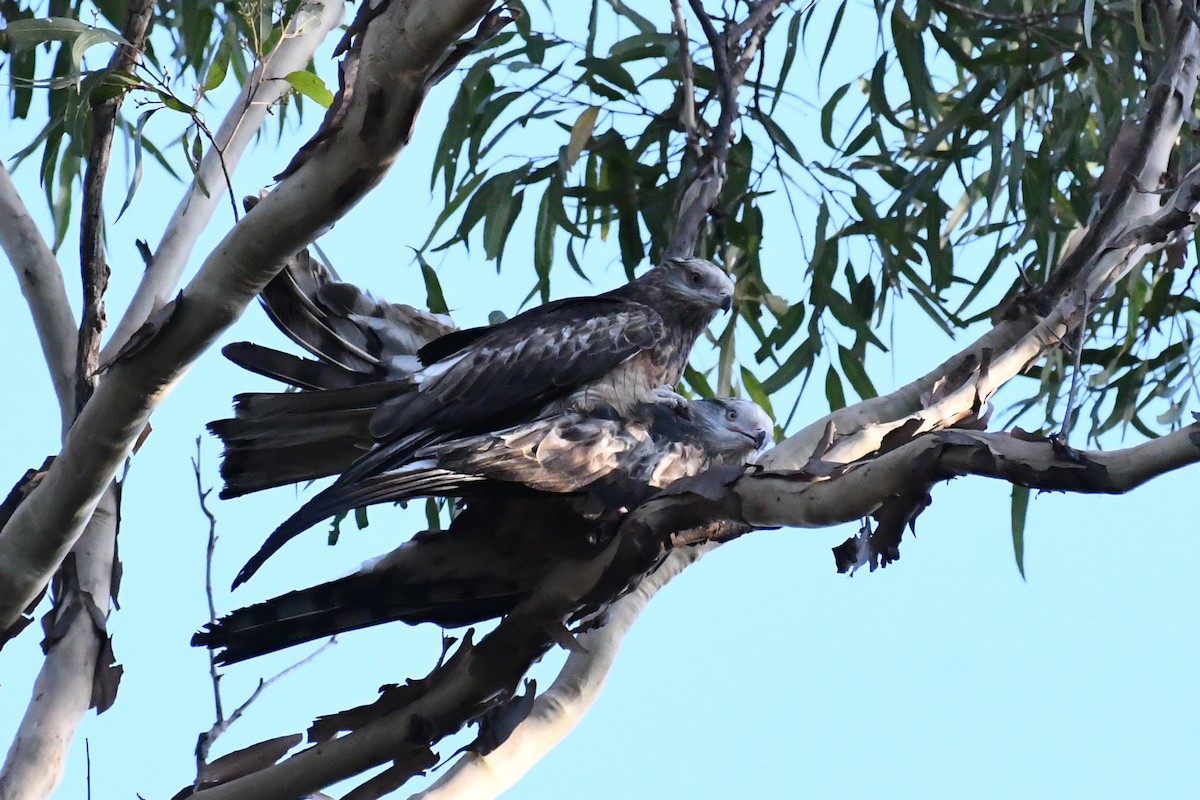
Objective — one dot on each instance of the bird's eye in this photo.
(696, 278)
(731, 415)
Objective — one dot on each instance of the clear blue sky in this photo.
(761, 672)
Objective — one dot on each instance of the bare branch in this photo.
(202, 495)
(205, 742)
(92, 262)
(400, 49)
(41, 281)
(261, 91)
(687, 83)
(700, 192)
(726, 90)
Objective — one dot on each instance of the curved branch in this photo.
(559, 709)
(41, 281)
(401, 49)
(802, 499)
(311, 24)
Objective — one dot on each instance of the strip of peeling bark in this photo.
(310, 25)
(65, 687)
(401, 49)
(41, 280)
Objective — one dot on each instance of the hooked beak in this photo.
(756, 435)
(726, 301)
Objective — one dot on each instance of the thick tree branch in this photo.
(261, 91)
(67, 685)
(40, 278)
(773, 499)
(894, 487)
(92, 262)
(400, 50)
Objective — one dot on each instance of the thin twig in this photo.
(1077, 371)
(202, 494)
(719, 141)
(222, 723)
(209, 737)
(687, 87)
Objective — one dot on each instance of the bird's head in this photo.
(696, 282)
(736, 429)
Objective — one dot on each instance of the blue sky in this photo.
(759, 672)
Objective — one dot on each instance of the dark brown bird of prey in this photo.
(538, 493)
(616, 350)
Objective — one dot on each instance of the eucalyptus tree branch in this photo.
(310, 26)
(757, 23)
(1134, 223)
(1169, 103)
(398, 52)
(701, 191)
(75, 675)
(92, 262)
(559, 709)
(403, 724)
(726, 89)
(41, 280)
(808, 498)
(687, 82)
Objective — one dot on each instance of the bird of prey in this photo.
(616, 461)
(538, 493)
(377, 365)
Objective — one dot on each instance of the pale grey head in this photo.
(697, 282)
(736, 429)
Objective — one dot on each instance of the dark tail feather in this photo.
(342, 497)
(346, 326)
(441, 578)
(265, 453)
(302, 373)
(290, 300)
(281, 438)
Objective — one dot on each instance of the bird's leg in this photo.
(667, 396)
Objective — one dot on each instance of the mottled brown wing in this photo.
(513, 370)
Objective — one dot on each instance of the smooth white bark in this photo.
(62, 692)
(263, 88)
(41, 280)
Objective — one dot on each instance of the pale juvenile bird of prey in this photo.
(539, 493)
